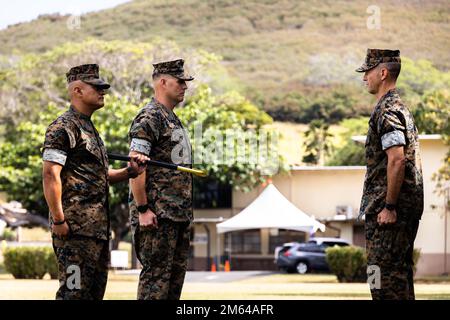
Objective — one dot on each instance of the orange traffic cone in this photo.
(213, 267)
(227, 266)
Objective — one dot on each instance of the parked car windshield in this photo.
(331, 244)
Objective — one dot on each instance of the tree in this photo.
(350, 153)
(230, 139)
(29, 82)
(318, 144)
(432, 116)
(36, 85)
(113, 123)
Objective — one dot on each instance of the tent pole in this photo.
(229, 250)
(218, 250)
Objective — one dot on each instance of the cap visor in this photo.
(183, 77)
(365, 68)
(99, 83)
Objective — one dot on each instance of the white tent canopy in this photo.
(271, 210)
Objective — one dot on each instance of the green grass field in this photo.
(272, 287)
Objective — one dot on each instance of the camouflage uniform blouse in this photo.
(72, 141)
(158, 133)
(392, 124)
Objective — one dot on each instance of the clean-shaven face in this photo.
(372, 79)
(93, 96)
(175, 88)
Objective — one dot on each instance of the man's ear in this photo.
(77, 90)
(384, 73)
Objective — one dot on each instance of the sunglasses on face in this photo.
(99, 89)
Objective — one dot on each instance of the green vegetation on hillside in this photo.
(287, 55)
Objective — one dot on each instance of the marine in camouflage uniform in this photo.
(73, 142)
(390, 246)
(163, 251)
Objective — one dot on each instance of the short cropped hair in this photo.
(156, 76)
(393, 69)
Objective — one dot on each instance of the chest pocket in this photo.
(93, 145)
(173, 145)
(181, 152)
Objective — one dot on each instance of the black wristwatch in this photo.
(390, 206)
(58, 223)
(143, 208)
(131, 173)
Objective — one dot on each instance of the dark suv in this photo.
(305, 257)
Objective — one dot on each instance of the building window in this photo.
(285, 236)
(247, 241)
(211, 194)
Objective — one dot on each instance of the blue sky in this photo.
(14, 11)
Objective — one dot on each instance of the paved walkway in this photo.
(204, 276)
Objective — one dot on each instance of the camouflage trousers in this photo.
(82, 267)
(390, 257)
(163, 253)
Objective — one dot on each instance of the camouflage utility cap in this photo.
(88, 73)
(376, 56)
(174, 68)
